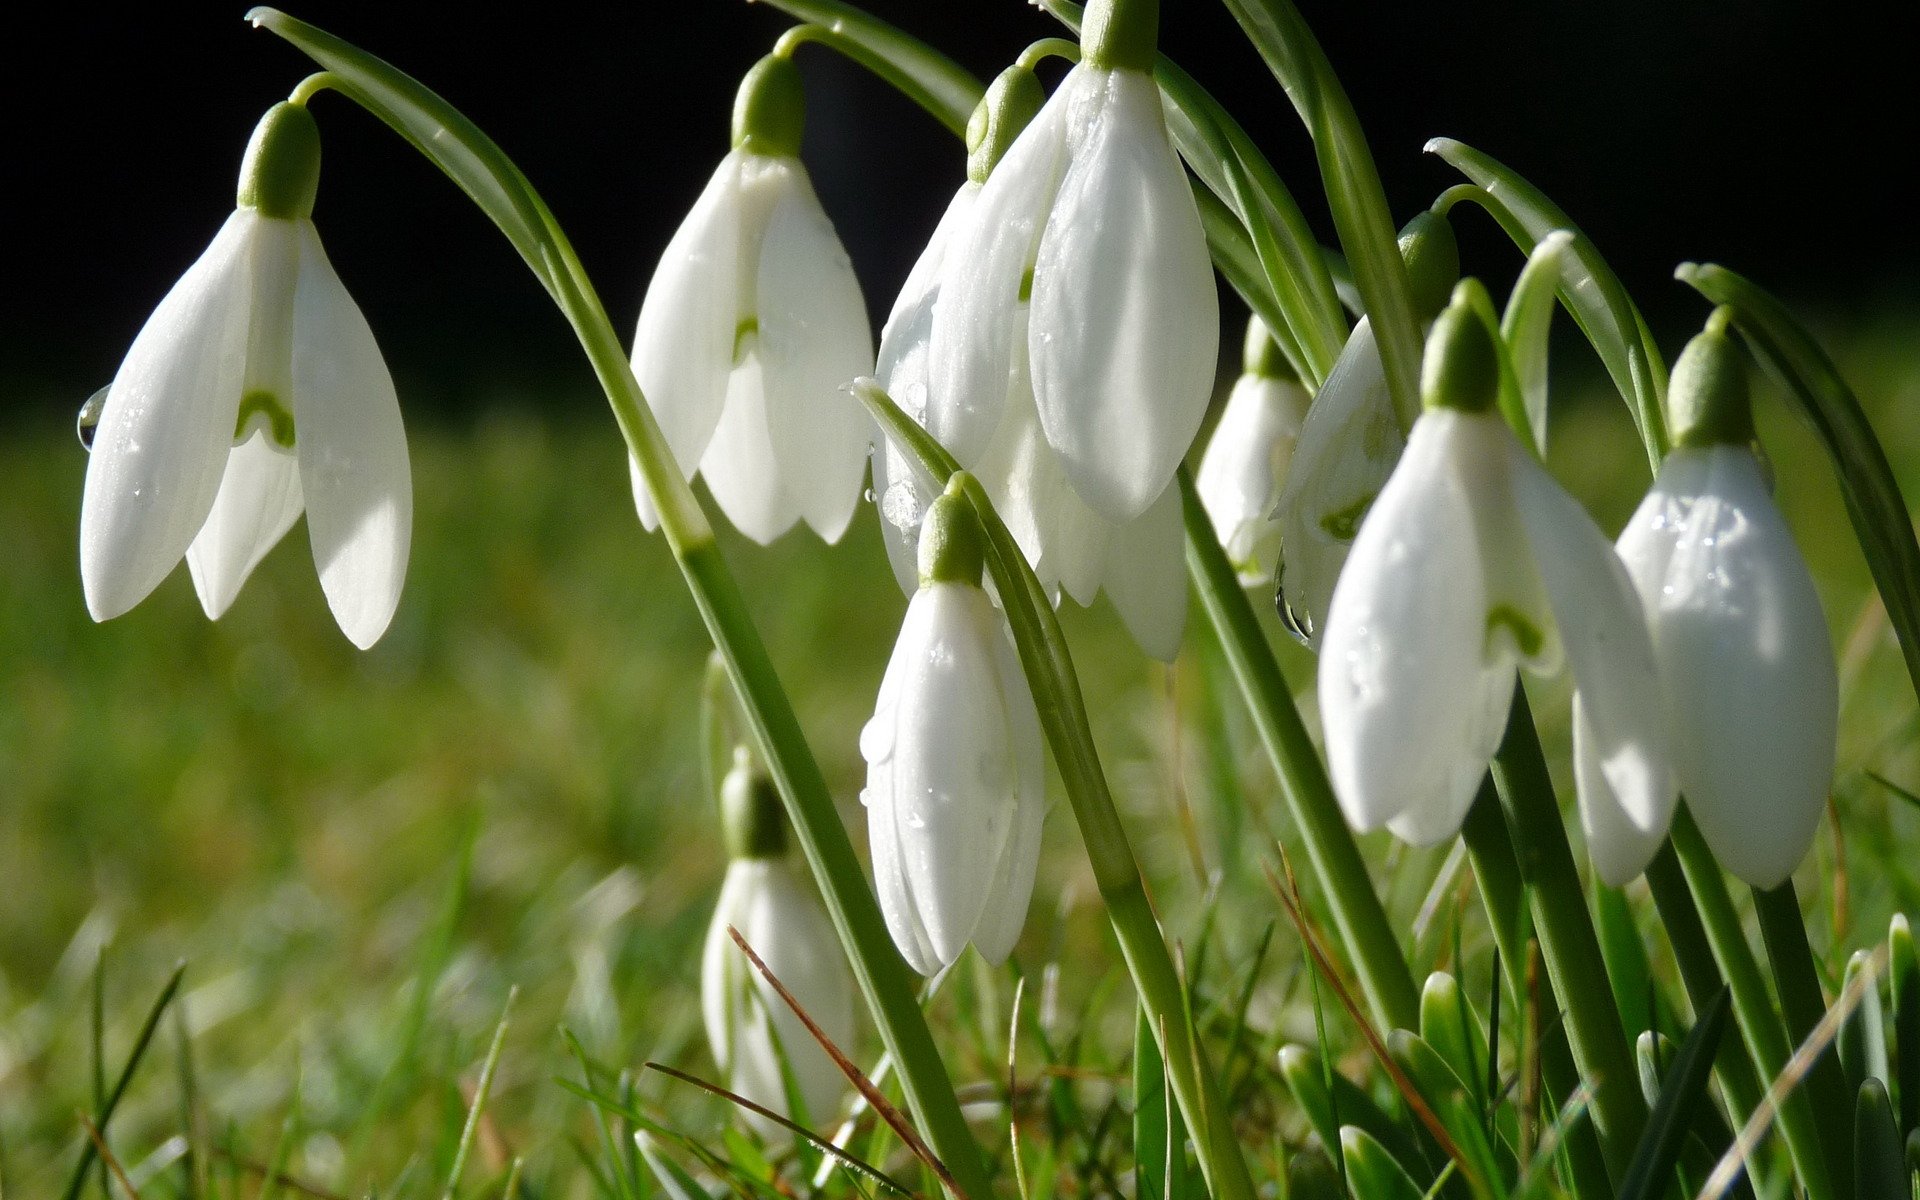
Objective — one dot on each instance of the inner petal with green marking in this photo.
(263, 410)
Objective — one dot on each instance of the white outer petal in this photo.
(1244, 467)
(1125, 332)
(259, 500)
(879, 739)
(740, 466)
(1621, 724)
(352, 448)
(1146, 576)
(814, 342)
(1745, 652)
(161, 446)
(1413, 694)
(683, 346)
(1012, 888)
(974, 325)
(1347, 448)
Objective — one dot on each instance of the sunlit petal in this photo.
(259, 500)
(740, 466)
(1244, 467)
(1146, 576)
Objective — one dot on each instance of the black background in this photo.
(1774, 136)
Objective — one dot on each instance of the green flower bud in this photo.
(281, 172)
(751, 817)
(1012, 99)
(1121, 35)
(1432, 256)
(1260, 355)
(1461, 369)
(952, 544)
(770, 109)
(1708, 396)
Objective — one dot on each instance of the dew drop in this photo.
(89, 419)
(901, 505)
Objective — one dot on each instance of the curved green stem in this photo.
(310, 87)
(478, 165)
(1335, 859)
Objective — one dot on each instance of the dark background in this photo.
(1774, 136)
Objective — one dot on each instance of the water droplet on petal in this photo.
(89, 418)
(876, 738)
(901, 505)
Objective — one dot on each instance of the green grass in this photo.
(288, 816)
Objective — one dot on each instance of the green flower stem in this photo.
(479, 166)
(1753, 1010)
(1335, 859)
(916, 70)
(1802, 1004)
(1503, 894)
(1056, 694)
(1700, 975)
(1568, 944)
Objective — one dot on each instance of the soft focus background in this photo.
(294, 818)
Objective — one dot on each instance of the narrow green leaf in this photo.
(1152, 1123)
(481, 1091)
(1874, 504)
(103, 1113)
(1367, 230)
(1796, 980)
(1879, 1158)
(1625, 955)
(1903, 968)
(932, 80)
(1682, 1091)
(1311, 1175)
(1346, 1104)
(1863, 1037)
(1371, 1171)
(1449, 1025)
(1451, 1101)
(1525, 325)
(1588, 287)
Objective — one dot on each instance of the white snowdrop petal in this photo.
(259, 500)
(352, 448)
(740, 466)
(975, 323)
(1347, 448)
(1746, 654)
(902, 499)
(167, 426)
(785, 924)
(814, 342)
(1146, 576)
(1012, 890)
(1245, 464)
(1646, 544)
(1619, 842)
(691, 318)
(1411, 704)
(1125, 331)
(879, 740)
(1604, 632)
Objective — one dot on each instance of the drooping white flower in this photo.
(254, 392)
(750, 1029)
(1247, 461)
(1737, 629)
(1472, 563)
(752, 327)
(955, 791)
(1090, 218)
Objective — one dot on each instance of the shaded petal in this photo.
(975, 324)
(1244, 466)
(740, 466)
(161, 446)
(1413, 691)
(352, 449)
(784, 922)
(259, 500)
(1347, 448)
(878, 740)
(1125, 333)
(1146, 576)
(1746, 655)
(1012, 889)
(814, 342)
(683, 347)
(1622, 722)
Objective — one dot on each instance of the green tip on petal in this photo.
(1260, 355)
(770, 110)
(1121, 35)
(750, 813)
(1433, 260)
(1707, 398)
(1461, 370)
(1011, 101)
(280, 175)
(952, 544)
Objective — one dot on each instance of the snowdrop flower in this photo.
(749, 1027)
(751, 330)
(955, 791)
(1472, 563)
(255, 391)
(1350, 441)
(1090, 219)
(1737, 629)
(1246, 462)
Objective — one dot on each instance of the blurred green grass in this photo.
(287, 814)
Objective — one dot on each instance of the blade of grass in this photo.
(481, 1091)
(1796, 982)
(104, 1113)
(1684, 1088)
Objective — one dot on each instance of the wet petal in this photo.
(259, 500)
(352, 448)
(1125, 332)
(879, 739)
(1012, 888)
(161, 446)
(1146, 576)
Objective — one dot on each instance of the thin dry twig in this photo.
(106, 1156)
